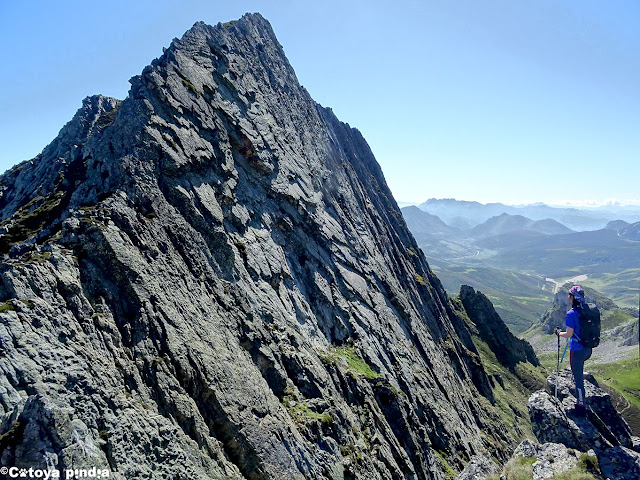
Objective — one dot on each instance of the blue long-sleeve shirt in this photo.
(573, 321)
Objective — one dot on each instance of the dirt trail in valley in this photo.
(558, 284)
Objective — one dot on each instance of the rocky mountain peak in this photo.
(215, 270)
(508, 349)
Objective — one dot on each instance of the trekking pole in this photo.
(557, 369)
(565, 351)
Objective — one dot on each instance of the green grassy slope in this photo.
(621, 286)
(595, 253)
(622, 381)
(518, 298)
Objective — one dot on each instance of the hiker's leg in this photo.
(577, 365)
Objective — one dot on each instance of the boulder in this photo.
(553, 421)
(478, 468)
(551, 458)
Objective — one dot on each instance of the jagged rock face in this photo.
(602, 430)
(555, 316)
(508, 349)
(175, 295)
(599, 403)
(627, 334)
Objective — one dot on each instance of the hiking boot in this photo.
(580, 410)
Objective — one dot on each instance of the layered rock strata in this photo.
(211, 279)
(509, 349)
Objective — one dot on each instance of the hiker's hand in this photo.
(558, 331)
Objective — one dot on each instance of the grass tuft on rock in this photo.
(449, 472)
(355, 364)
(7, 306)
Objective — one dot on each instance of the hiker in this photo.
(578, 353)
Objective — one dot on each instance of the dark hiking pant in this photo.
(577, 359)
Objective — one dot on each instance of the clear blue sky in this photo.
(494, 100)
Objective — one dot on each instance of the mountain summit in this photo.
(211, 279)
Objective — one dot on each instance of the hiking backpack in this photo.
(589, 325)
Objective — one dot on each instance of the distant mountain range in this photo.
(520, 243)
(631, 232)
(502, 253)
(466, 215)
(506, 223)
(423, 223)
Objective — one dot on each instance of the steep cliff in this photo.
(508, 349)
(211, 279)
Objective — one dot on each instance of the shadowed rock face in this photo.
(196, 274)
(508, 349)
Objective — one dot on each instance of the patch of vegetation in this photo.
(241, 246)
(449, 472)
(518, 468)
(355, 364)
(533, 378)
(504, 289)
(510, 394)
(589, 464)
(29, 303)
(623, 375)
(7, 306)
(521, 463)
(39, 257)
(549, 360)
(12, 436)
(28, 221)
(613, 318)
(621, 286)
(622, 381)
(420, 280)
(157, 362)
(575, 475)
(521, 468)
(191, 87)
(300, 412)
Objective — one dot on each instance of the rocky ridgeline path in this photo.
(601, 441)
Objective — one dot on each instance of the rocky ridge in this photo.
(598, 445)
(509, 349)
(602, 434)
(211, 279)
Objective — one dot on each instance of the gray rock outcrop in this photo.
(556, 314)
(479, 467)
(550, 458)
(211, 279)
(626, 335)
(508, 349)
(602, 431)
